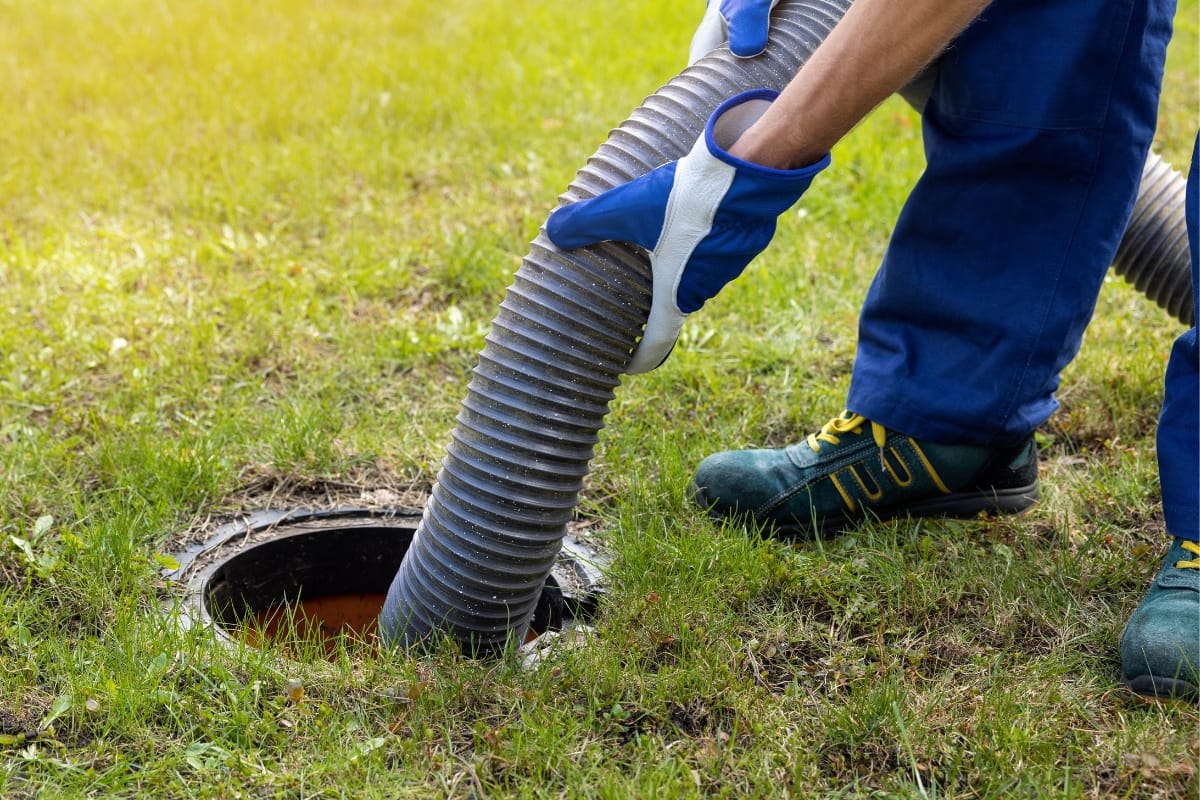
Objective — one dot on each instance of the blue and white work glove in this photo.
(743, 22)
(702, 218)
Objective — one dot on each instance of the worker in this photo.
(1039, 118)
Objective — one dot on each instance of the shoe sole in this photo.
(1161, 688)
(970, 504)
(959, 505)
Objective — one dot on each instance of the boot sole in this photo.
(1161, 688)
(959, 505)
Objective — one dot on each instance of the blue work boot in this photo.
(854, 469)
(1160, 649)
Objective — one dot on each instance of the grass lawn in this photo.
(249, 253)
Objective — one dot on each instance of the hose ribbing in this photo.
(1154, 254)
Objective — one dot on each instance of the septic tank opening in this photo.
(321, 575)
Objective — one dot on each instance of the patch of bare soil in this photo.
(22, 724)
(271, 490)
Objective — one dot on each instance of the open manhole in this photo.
(324, 574)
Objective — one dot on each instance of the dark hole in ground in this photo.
(323, 576)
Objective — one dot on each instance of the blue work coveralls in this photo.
(1038, 124)
(1179, 425)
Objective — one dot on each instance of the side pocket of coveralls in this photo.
(1046, 64)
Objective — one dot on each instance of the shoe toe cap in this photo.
(736, 481)
(1160, 648)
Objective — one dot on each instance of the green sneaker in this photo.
(1160, 648)
(840, 476)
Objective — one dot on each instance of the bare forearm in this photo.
(875, 50)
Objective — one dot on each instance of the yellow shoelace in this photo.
(1194, 548)
(845, 423)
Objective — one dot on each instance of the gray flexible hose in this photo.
(557, 348)
(549, 369)
(1154, 254)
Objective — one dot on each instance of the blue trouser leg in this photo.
(1036, 131)
(1179, 425)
